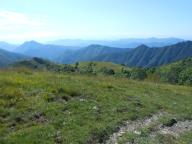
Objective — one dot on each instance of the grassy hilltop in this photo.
(71, 108)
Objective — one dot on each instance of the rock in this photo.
(58, 137)
(95, 108)
(137, 132)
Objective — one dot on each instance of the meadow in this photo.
(71, 108)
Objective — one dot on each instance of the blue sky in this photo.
(45, 20)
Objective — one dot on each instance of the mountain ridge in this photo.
(88, 53)
(150, 57)
(121, 43)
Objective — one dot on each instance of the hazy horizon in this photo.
(131, 39)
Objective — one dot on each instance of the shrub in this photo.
(126, 73)
(138, 73)
(107, 71)
(68, 68)
(173, 75)
(89, 68)
(185, 77)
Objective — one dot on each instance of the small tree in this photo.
(125, 72)
(77, 66)
(173, 75)
(90, 68)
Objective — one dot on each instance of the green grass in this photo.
(45, 107)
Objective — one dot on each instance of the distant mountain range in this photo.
(141, 56)
(121, 43)
(47, 51)
(7, 46)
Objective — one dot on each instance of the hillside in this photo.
(92, 68)
(88, 53)
(179, 72)
(144, 56)
(46, 107)
(7, 58)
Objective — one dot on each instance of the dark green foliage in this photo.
(173, 75)
(68, 68)
(40, 61)
(138, 73)
(107, 71)
(177, 73)
(77, 66)
(150, 70)
(126, 73)
(185, 76)
(89, 68)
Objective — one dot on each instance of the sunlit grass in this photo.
(45, 107)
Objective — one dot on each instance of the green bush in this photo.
(138, 73)
(126, 73)
(107, 71)
(185, 77)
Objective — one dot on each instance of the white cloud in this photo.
(11, 19)
(19, 26)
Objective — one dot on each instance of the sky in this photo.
(45, 20)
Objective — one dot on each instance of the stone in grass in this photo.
(137, 132)
(58, 137)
